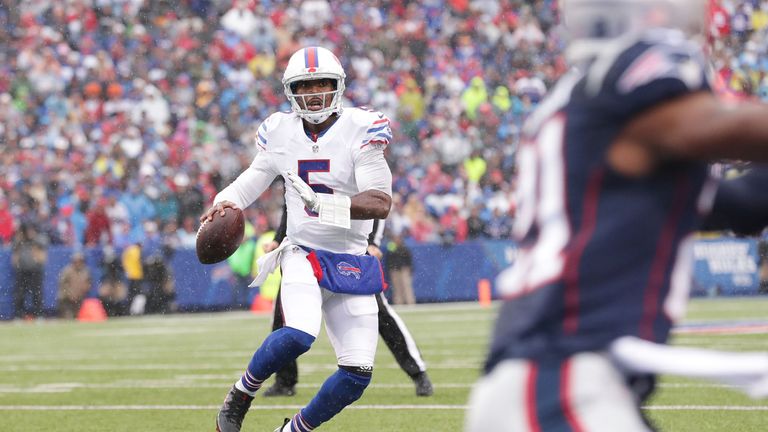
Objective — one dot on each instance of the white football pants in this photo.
(351, 321)
(584, 393)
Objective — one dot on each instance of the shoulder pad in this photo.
(630, 77)
(668, 59)
(267, 126)
(629, 64)
(377, 128)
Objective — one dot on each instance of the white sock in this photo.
(239, 385)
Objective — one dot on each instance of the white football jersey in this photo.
(348, 158)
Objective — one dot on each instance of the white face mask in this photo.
(331, 103)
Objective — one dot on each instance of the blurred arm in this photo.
(696, 126)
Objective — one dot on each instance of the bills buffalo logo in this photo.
(347, 269)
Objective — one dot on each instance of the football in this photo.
(219, 238)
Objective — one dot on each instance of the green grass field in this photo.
(171, 374)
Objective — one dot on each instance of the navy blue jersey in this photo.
(601, 255)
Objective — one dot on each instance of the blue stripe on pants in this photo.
(549, 409)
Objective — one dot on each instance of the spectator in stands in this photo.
(475, 167)
(6, 223)
(187, 233)
(498, 227)
(159, 283)
(29, 254)
(399, 266)
(453, 227)
(474, 96)
(240, 19)
(98, 231)
(139, 208)
(134, 272)
(191, 200)
(167, 206)
(424, 228)
(74, 285)
(113, 292)
(475, 224)
(78, 220)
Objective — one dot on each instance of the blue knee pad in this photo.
(281, 347)
(342, 388)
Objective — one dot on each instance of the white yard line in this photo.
(66, 387)
(467, 363)
(705, 408)
(170, 384)
(70, 386)
(694, 385)
(352, 407)
(211, 407)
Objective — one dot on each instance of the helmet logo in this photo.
(310, 57)
(312, 70)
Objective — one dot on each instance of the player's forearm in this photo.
(699, 127)
(740, 133)
(371, 204)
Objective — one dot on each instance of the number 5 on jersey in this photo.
(314, 165)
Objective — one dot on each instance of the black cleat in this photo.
(423, 384)
(285, 422)
(277, 389)
(233, 411)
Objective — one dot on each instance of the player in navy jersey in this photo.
(613, 180)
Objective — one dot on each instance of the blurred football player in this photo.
(337, 181)
(613, 179)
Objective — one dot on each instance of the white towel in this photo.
(268, 263)
(746, 371)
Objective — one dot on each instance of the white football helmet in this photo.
(314, 63)
(591, 23)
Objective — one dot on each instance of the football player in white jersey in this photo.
(333, 159)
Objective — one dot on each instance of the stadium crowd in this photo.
(119, 119)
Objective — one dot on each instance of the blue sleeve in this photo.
(741, 203)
